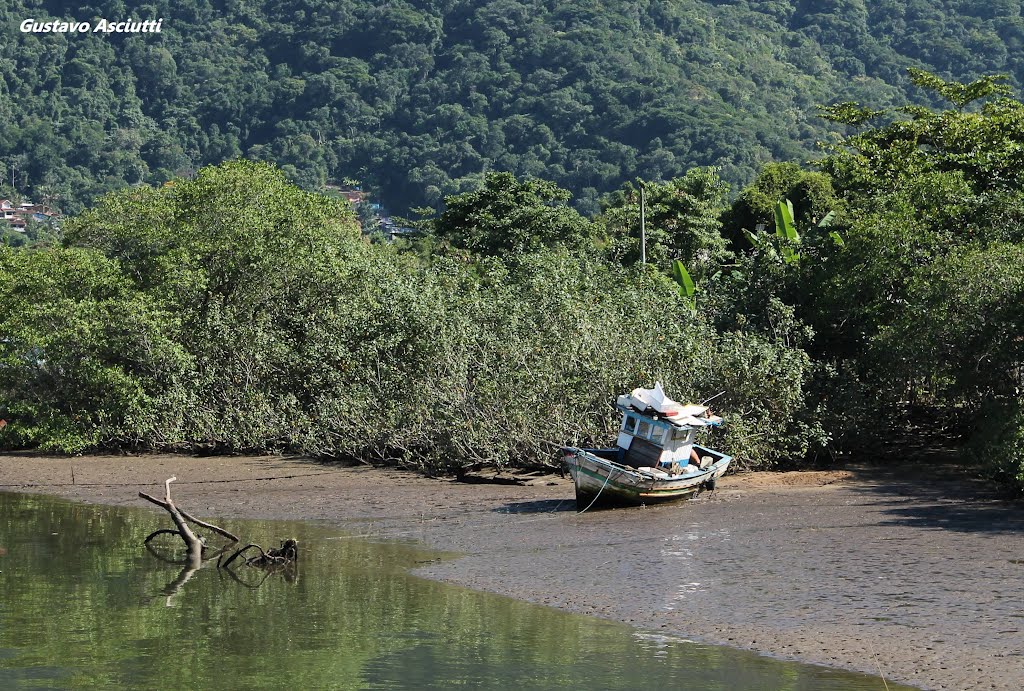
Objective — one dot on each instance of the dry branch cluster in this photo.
(197, 552)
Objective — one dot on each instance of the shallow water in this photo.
(83, 604)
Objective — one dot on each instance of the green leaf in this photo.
(681, 276)
(785, 227)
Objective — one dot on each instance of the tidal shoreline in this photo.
(910, 577)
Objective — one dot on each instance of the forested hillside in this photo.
(420, 98)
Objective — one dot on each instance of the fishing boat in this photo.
(655, 457)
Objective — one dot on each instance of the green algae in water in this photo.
(83, 605)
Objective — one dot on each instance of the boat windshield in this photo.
(680, 434)
(658, 436)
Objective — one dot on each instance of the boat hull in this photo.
(599, 479)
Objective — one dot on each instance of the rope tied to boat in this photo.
(576, 481)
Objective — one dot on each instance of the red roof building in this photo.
(16, 216)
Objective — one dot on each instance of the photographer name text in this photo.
(102, 26)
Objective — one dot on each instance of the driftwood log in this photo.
(285, 555)
(193, 543)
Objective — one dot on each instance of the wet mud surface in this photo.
(912, 577)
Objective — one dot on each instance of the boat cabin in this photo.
(658, 432)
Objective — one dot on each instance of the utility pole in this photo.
(17, 163)
(643, 226)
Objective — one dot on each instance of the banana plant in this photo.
(785, 231)
(687, 288)
(787, 240)
(825, 223)
(762, 242)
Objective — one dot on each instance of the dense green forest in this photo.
(878, 294)
(203, 295)
(419, 99)
(237, 312)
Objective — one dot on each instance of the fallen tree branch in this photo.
(210, 526)
(283, 557)
(169, 506)
(162, 531)
(239, 553)
(192, 542)
(287, 553)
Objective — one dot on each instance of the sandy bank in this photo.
(921, 580)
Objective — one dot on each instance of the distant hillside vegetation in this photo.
(418, 99)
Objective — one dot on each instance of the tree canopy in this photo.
(420, 100)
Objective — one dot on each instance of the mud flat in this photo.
(911, 577)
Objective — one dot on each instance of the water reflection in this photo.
(83, 605)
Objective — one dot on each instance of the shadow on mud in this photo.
(941, 495)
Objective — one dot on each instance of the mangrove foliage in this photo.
(878, 292)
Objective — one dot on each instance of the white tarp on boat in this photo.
(656, 400)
